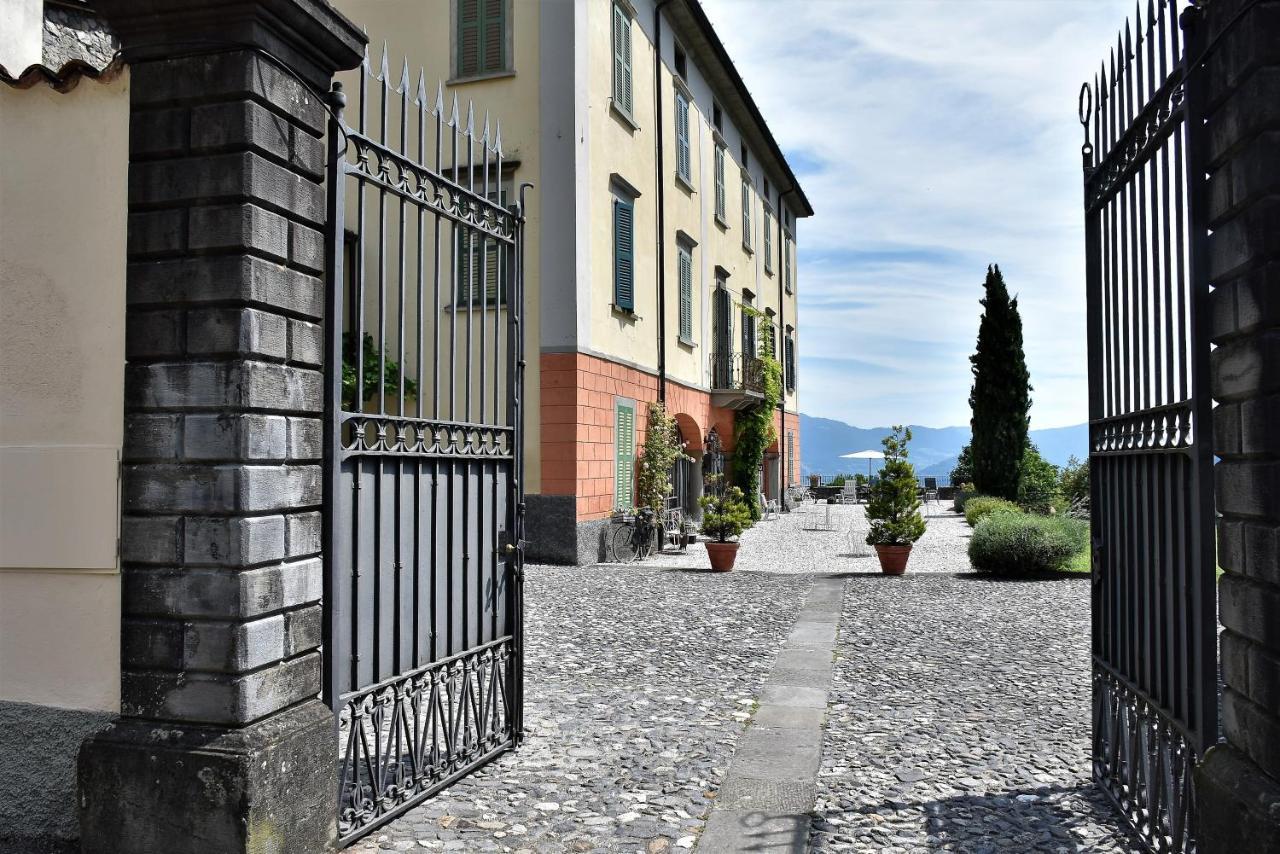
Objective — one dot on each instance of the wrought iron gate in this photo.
(423, 452)
(1155, 691)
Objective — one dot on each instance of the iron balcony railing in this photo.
(737, 372)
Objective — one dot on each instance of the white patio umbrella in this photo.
(864, 455)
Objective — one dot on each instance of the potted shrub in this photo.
(894, 507)
(725, 516)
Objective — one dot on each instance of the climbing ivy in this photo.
(753, 432)
(662, 447)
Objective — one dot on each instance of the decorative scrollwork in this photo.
(1138, 145)
(1168, 428)
(377, 164)
(385, 434)
(1144, 766)
(400, 742)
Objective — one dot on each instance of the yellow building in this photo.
(660, 245)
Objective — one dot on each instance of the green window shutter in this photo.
(786, 263)
(682, 136)
(791, 457)
(720, 181)
(623, 255)
(768, 239)
(686, 294)
(624, 442)
(468, 49)
(473, 279)
(746, 213)
(482, 36)
(493, 32)
(622, 59)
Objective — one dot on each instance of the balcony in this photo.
(737, 380)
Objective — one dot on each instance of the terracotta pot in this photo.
(893, 559)
(722, 556)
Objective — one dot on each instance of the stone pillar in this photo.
(1239, 781)
(222, 743)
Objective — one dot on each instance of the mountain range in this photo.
(934, 450)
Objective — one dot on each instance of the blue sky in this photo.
(933, 137)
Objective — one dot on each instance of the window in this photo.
(768, 346)
(481, 46)
(721, 334)
(749, 348)
(682, 63)
(717, 118)
(483, 284)
(746, 160)
(720, 184)
(768, 239)
(622, 59)
(683, 166)
(624, 443)
(684, 263)
(786, 263)
(789, 359)
(746, 212)
(623, 254)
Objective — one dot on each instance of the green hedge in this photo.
(1022, 544)
(979, 507)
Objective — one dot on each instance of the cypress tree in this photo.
(1001, 394)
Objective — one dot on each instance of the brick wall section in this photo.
(1240, 82)
(222, 476)
(791, 423)
(578, 395)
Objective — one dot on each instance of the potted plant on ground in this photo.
(894, 507)
(725, 515)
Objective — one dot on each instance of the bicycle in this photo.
(633, 536)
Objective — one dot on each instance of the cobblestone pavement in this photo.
(959, 720)
(639, 681)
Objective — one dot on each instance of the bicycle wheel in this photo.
(620, 549)
(642, 544)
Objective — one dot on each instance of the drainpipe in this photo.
(662, 215)
(782, 327)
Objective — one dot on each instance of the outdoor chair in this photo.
(768, 508)
(849, 493)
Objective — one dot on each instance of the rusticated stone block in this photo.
(222, 593)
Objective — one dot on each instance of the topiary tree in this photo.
(662, 447)
(724, 514)
(1001, 394)
(894, 506)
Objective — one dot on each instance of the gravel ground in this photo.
(797, 543)
(639, 681)
(959, 720)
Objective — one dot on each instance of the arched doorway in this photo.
(686, 474)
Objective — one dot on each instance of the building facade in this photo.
(661, 239)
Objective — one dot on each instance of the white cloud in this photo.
(937, 136)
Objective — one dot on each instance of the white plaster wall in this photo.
(63, 196)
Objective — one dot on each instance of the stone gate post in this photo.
(222, 744)
(1238, 783)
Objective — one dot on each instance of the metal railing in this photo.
(736, 371)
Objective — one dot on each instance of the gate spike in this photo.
(497, 138)
(403, 86)
(364, 63)
(1151, 15)
(454, 119)
(1128, 44)
(471, 118)
(439, 107)
(1113, 65)
(384, 73)
(484, 138)
(421, 97)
